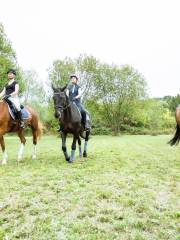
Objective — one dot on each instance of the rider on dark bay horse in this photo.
(73, 91)
(10, 94)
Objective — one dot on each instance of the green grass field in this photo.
(127, 188)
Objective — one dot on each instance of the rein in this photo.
(62, 108)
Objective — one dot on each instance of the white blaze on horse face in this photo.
(21, 151)
(34, 152)
(5, 157)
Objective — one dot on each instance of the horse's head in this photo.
(60, 100)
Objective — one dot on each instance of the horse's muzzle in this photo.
(57, 114)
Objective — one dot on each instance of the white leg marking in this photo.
(20, 153)
(5, 157)
(80, 152)
(34, 152)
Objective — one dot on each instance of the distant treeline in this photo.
(116, 96)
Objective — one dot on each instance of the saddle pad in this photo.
(25, 113)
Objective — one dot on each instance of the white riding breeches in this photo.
(15, 101)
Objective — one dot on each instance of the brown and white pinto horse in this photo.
(175, 140)
(7, 125)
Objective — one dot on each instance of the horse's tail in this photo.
(35, 122)
(40, 128)
(176, 138)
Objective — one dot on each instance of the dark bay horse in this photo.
(70, 122)
(175, 140)
(7, 125)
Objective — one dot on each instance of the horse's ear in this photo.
(53, 87)
(62, 89)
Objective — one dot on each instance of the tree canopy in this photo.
(116, 96)
(8, 60)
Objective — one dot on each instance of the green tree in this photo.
(159, 116)
(35, 89)
(119, 89)
(87, 67)
(116, 90)
(173, 102)
(60, 72)
(8, 60)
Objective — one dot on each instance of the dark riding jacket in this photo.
(10, 88)
(73, 92)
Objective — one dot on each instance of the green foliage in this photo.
(148, 116)
(159, 116)
(119, 89)
(48, 118)
(101, 130)
(35, 90)
(36, 97)
(109, 91)
(8, 60)
(173, 102)
(87, 66)
(116, 97)
(60, 72)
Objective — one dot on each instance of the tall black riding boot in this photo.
(19, 115)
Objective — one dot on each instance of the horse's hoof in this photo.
(84, 154)
(67, 159)
(70, 161)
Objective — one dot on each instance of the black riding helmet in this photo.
(11, 71)
(74, 75)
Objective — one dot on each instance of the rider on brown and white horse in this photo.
(10, 94)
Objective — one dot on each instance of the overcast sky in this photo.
(142, 33)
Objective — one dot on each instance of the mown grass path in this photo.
(128, 188)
